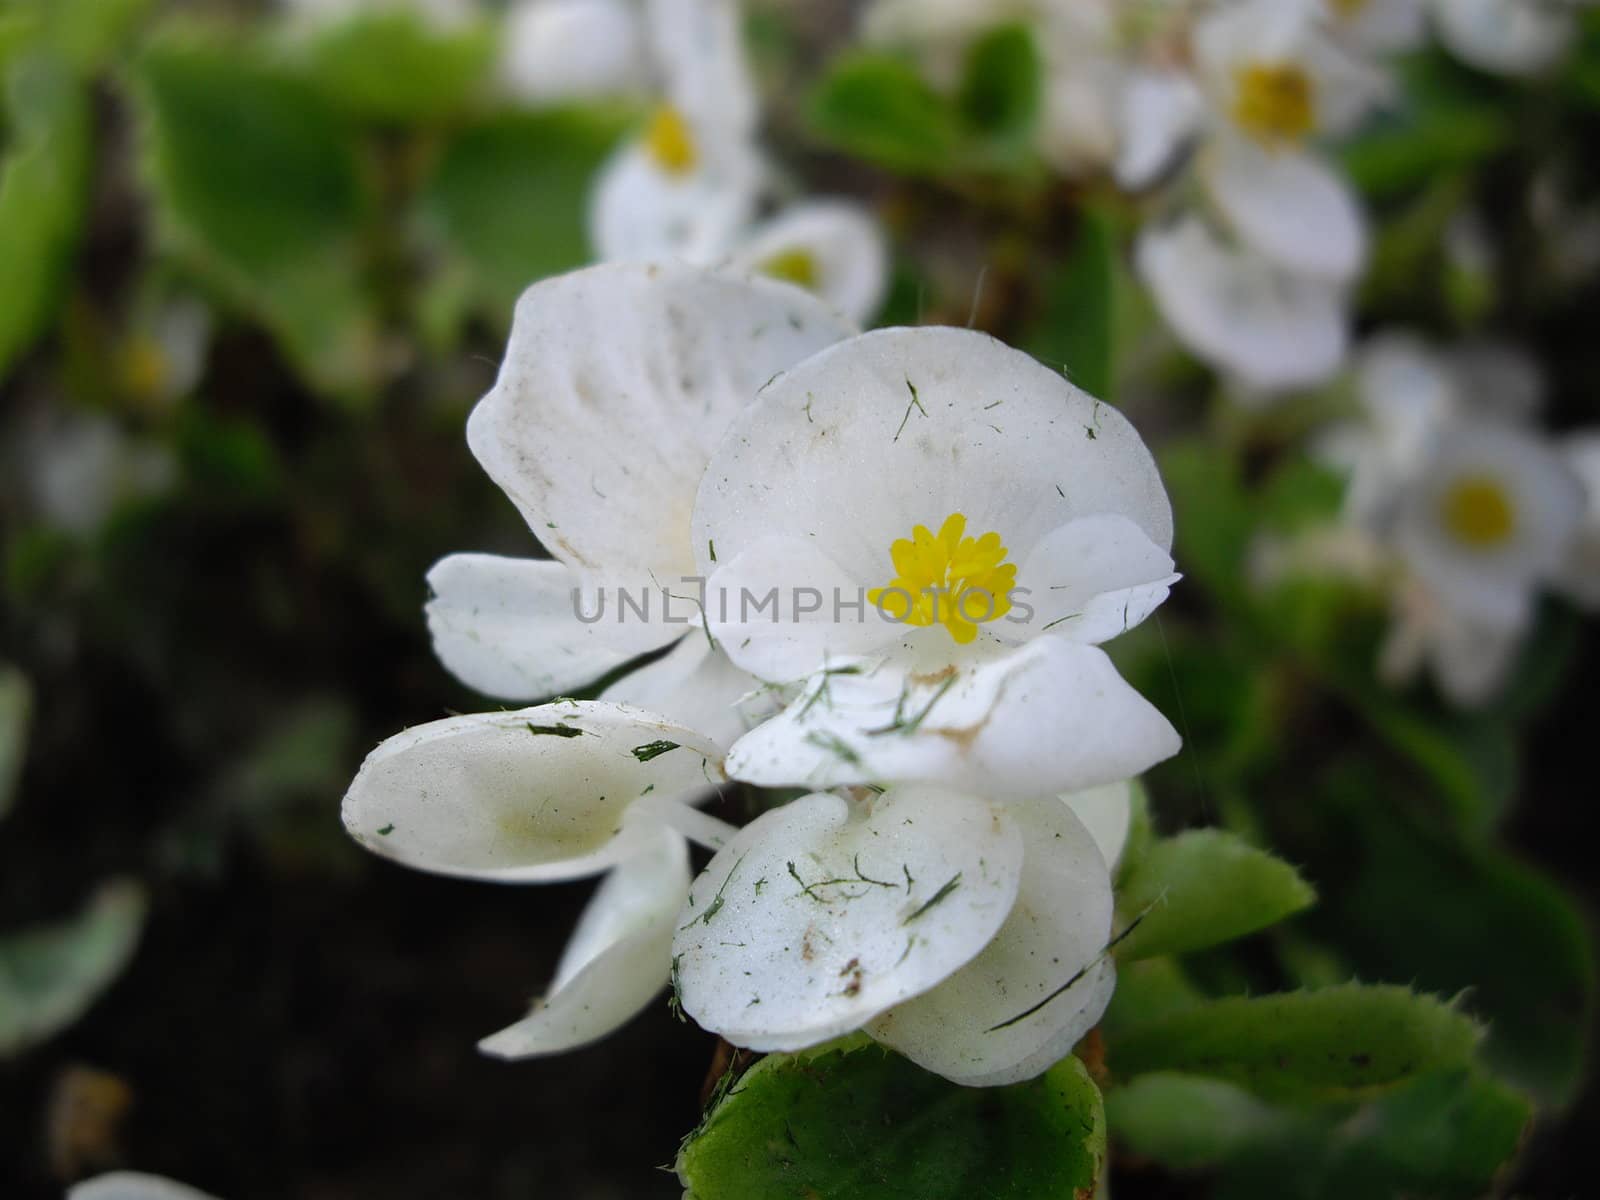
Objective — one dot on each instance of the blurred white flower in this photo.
(1580, 579)
(1267, 328)
(133, 1185)
(557, 50)
(1508, 37)
(956, 530)
(1379, 26)
(78, 468)
(967, 934)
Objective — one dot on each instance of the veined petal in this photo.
(617, 960)
(1288, 205)
(1093, 579)
(1048, 717)
(1039, 985)
(1107, 813)
(697, 685)
(618, 382)
(868, 439)
(1272, 330)
(527, 796)
(834, 248)
(510, 627)
(821, 914)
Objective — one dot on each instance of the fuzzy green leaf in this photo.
(51, 974)
(1203, 888)
(878, 107)
(1001, 83)
(864, 1123)
(1341, 1042)
(258, 181)
(44, 179)
(1075, 327)
(396, 66)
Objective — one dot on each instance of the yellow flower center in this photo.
(669, 141)
(948, 579)
(1349, 9)
(1274, 102)
(1478, 513)
(797, 265)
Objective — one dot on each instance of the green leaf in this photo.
(16, 711)
(864, 1123)
(51, 974)
(510, 196)
(44, 179)
(87, 33)
(878, 107)
(1187, 1121)
(398, 67)
(1075, 326)
(1215, 522)
(1001, 85)
(258, 181)
(1341, 1042)
(1203, 888)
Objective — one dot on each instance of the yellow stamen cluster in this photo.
(1478, 513)
(670, 142)
(796, 265)
(1275, 102)
(948, 579)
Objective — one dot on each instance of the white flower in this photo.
(79, 467)
(558, 50)
(618, 382)
(133, 1185)
(830, 247)
(967, 934)
(1268, 328)
(907, 461)
(1274, 79)
(1379, 26)
(560, 791)
(1580, 578)
(1509, 37)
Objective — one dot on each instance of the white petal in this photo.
(1160, 109)
(617, 960)
(1051, 716)
(133, 1185)
(1107, 813)
(507, 796)
(617, 383)
(571, 49)
(844, 245)
(783, 608)
(641, 212)
(1273, 330)
(1094, 578)
(1512, 37)
(966, 1029)
(899, 427)
(510, 628)
(1580, 577)
(1381, 26)
(699, 46)
(823, 913)
(1492, 585)
(697, 686)
(1289, 206)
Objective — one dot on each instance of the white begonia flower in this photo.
(1508, 37)
(830, 247)
(1267, 328)
(557, 50)
(968, 935)
(1580, 576)
(1274, 79)
(618, 382)
(560, 791)
(1159, 109)
(1488, 521)
(1379, 26)
(134, 1185)
(1467, 658)
(78, 467)
(1052, 535)
(1107, 813)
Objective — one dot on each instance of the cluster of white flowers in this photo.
(1458, 506)
(1218, 111)
(937, 532)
